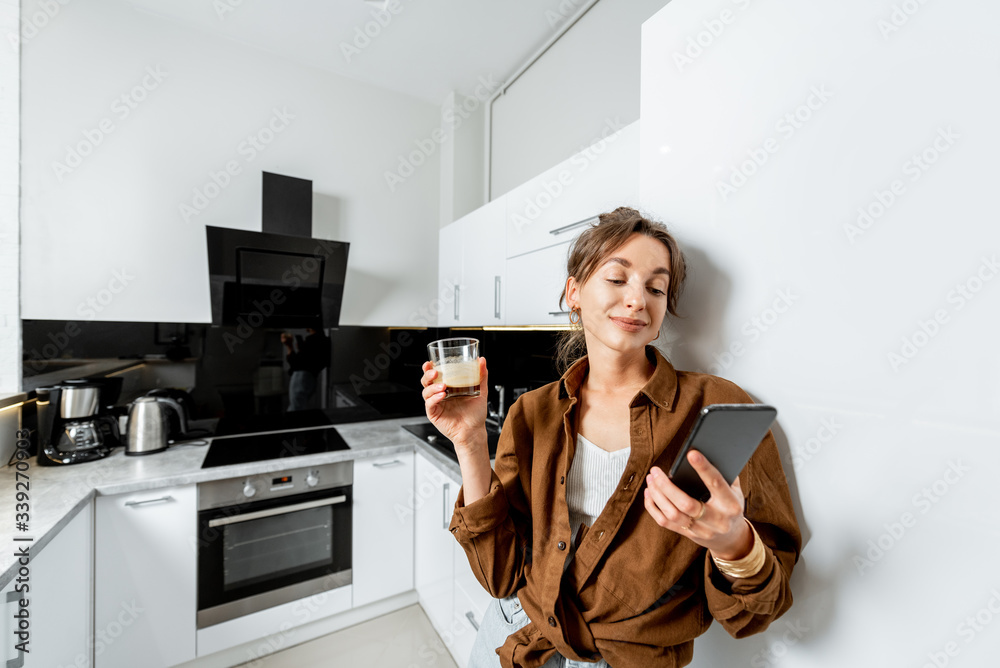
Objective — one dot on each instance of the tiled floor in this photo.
(401, 639)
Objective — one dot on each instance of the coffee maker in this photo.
(76, 422)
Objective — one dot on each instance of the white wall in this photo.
(884, 374)
(10, 317)
(119, 210)
(585, 83)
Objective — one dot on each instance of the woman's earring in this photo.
(574, 312)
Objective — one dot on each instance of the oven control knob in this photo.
(312, 479)
(248, 489)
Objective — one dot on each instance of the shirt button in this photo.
(562, 545)
(552, 621)
(562, 479)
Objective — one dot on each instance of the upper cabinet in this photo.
(471, 268)
(505, 263)
(554, 207)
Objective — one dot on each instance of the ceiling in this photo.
(425, 49)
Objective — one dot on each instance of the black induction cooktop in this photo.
(277, 445)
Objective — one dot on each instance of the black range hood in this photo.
(280, 278)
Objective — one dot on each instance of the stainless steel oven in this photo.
(272, 538)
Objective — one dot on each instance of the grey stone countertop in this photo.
(57, 493)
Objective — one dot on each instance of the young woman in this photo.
(593, 556)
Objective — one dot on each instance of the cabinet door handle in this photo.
(472, 619)
(445, 488)
(383, 465)
(12, 597)
(280, 510)
(456, 302)
(496, 298)
(567, 228)
(559, 312)
(161, 499)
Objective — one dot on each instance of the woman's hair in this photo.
(593, 247)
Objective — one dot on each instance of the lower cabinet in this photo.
(470, 603)
(433, 572)
(57, 589)
(449, 593)
(145, 578)
(382, 559)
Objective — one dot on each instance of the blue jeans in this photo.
(503, 617)
(301, 388)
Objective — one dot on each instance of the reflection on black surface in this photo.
(248, 423)
(260, 447)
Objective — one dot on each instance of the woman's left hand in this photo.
(716, 524)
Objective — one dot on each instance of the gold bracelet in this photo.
(749, 565)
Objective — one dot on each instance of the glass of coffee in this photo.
(457, 363)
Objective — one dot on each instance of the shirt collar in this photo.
(660, 388)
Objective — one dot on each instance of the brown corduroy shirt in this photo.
(635, 593)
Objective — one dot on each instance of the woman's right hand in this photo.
(461, 419)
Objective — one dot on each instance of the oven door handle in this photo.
(281, 510)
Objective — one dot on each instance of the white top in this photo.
(593, 476)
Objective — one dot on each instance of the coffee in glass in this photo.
(457, 363)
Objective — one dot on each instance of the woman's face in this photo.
(624, 301)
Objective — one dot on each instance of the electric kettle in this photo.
(148, 426)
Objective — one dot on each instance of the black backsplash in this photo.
(242, 377)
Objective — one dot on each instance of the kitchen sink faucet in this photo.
(495, 417)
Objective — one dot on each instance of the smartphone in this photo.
(728, 435)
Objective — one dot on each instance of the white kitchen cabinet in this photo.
(545, 211)
(483, 250)
(382, 540)
(470, 603)
(471, 272)
(62, 596)
(450, 274)
(534, 282)
(145, 577)
(9, 607)
(59, 595)
(433, 573)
